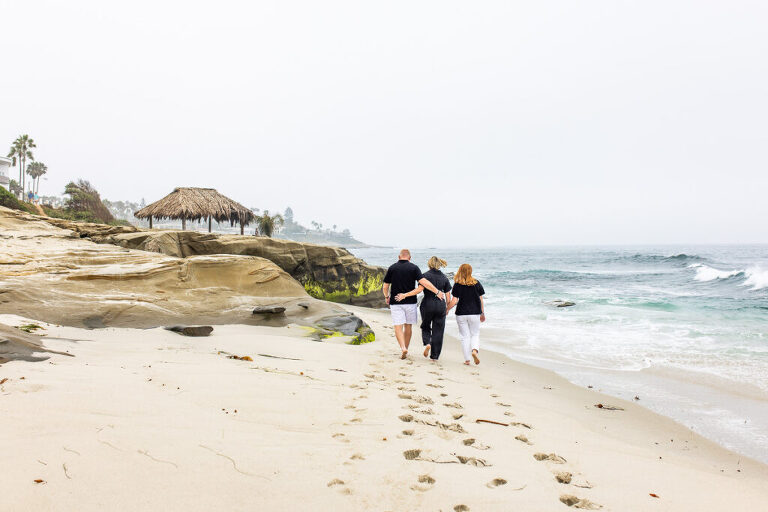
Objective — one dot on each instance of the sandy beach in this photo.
(151, 420)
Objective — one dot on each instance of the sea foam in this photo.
(706, 273)
(757, 278)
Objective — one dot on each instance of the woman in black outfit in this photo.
(433, 308)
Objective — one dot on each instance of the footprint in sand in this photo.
(523, 439)
(582, 503)
(408, 432)
(461, 508)
(496, 482)
(503, 404)
(474, 444)
(426, 482)
(336, 482)
(552, 457)
(357, 456)
(403, 396)
(340, 437)
(435, 385)
(458, 416)
(454, 405)
(472, 461)
(411, 454)
(508, 413)
(563, 477)
(350, 406)
(405, 388)
(494, 395)
(407, 418)
(518, 424)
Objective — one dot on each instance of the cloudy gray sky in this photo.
(411, 123)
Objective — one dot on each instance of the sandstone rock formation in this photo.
(328, 273)
(51, 273)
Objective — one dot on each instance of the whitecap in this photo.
(705, 273)
(757, 278)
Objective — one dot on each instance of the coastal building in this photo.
(5, 165)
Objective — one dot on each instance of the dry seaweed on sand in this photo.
(609, 407)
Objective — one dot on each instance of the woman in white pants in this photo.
(470, 310)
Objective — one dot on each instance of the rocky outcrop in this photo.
(328, 273)
(561, 303)
(54, 275)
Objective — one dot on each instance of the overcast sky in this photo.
(410, 123)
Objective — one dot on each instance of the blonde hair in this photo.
(404, 253)
(464, 275)
(436, 263)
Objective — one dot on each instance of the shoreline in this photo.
(660, 390)
(322, 424)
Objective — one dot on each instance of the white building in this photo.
(5, 165)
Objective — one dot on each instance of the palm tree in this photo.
(266, 224)
(35, 170)
(21, 150)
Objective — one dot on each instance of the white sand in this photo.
(150, 420)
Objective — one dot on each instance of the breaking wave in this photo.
(755, 277)
(705, 273)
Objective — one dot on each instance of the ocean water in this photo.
(685, 329)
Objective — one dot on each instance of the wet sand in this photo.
(151, 420)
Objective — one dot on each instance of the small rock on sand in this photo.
(191, 330)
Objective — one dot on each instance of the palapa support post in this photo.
(242, 228)
(184, 224)
(150, 222)
(209, 224)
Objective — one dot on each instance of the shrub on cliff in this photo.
(9, 201)
(85, 203)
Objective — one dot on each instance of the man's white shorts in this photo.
(404, 314)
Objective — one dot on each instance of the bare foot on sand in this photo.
(474, 356)
(404, 354)
(466, 363)
(426, 350)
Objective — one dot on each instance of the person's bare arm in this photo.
(482, 309)
(451, 304)
(415, 291)
(385, 289)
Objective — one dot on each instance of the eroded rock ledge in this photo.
(327, 273)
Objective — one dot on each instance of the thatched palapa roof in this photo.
(197, 203)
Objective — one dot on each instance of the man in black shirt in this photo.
(402, 278)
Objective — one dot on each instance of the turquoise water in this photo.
(683, 328)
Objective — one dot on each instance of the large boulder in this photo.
(347, 324)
